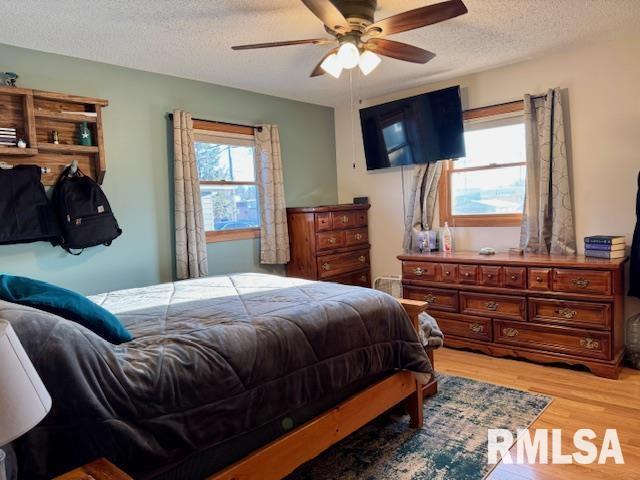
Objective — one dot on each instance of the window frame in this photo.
(444, 187)
(201, 129)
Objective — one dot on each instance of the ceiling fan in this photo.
(358, 38)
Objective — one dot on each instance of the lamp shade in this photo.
(24, 400)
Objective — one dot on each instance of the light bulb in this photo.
(368, 62)
(348, 55)
(332, 65)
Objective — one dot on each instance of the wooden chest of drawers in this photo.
(539, 307)
(330, 243)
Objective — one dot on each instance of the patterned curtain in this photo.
(422, 202)
(547, 219)
(191, 245)
(274, 235)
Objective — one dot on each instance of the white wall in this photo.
(603, 83)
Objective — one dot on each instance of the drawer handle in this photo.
(580, 282)
(590, 343)
(326, 267)
(514, 277)
(510, 332)
(447, 273)
(490, 276)
(493, 306)
(344, 219)
(362, 258)
(430, 298)
(566, 313)
(538, 278)
(332, 240)
(358, 236)
(363, 278)
(476, 327)
(467, 274)
(418, 271)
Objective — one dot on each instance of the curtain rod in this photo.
(170, 116)
(506, 103)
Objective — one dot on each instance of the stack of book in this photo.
(8, 137)
(604, 246)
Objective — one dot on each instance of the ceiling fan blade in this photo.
(314, 41)
(329, 14)
(318, 70)
(419, 17)
(398, 50)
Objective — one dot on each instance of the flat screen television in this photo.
(421, 129)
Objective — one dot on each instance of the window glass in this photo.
(227, 184)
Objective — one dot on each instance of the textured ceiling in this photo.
(192, 39)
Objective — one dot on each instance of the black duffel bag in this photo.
(84, 212)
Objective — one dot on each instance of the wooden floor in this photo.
(581, 400)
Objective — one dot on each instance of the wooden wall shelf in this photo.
(36, 113)
(63, 149)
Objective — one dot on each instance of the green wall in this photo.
(138, 148)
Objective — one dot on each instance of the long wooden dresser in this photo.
(543, 308)
(330, 243)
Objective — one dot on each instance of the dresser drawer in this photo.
(574, 314)
(361, 218)
(539, 279)
(489, 276)
(343, 220)
(449, 272)
(420, 271)
(468, 274)
(436, 298)
(323, 221)
(465, 326)
(567, 340)
(329, 240)
(515, 277)
(341, 263)
(356, 237)
(496, 306)
(359, 279)
(581, 281)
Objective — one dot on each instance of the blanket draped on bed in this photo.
(211, 358)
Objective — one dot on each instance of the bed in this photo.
(220, 370)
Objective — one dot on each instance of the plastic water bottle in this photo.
(447, 239)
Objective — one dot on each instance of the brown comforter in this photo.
(212, 358)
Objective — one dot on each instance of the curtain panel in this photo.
(547, 219)
(191, 244)
(274, 234)
(422, 202)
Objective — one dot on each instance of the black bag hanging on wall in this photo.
(25, 212)
(84, 212)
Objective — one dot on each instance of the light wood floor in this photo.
(581, 400)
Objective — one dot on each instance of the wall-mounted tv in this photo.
(421, 129)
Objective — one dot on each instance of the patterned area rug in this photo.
(452, 445)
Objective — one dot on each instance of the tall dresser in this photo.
(330, 243)
(543, 308)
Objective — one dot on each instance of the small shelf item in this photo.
(33, 116)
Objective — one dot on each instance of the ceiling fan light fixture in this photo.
(348, 55)
(368, 62)
(332, 65)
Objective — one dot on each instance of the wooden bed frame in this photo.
(282, 456)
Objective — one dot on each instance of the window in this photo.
(486, 188)
(227, 181)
